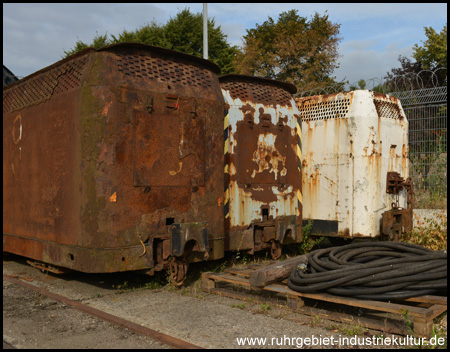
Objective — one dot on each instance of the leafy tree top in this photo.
(183, 33)
(433, 53)
(293, 49)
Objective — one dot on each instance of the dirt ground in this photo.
(209, 321)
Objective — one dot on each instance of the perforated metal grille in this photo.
(313, 110)
(43, 86)
(387, 109)
(168, 70)
(257, 92)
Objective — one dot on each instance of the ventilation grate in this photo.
(42, 87)
(387, 109)
(257, 92)
(168, 70)
(312, 110)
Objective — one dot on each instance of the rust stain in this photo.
(106, 108)
(265, 156)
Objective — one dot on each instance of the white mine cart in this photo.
(355, 165)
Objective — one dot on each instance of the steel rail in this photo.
(142, 330)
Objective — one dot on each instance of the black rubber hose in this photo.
(377, 271)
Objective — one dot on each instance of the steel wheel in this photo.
(275, 250)
(178, 270)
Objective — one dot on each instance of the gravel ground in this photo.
(34, 321)
(205, 320)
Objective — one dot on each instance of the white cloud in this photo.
(360, 61)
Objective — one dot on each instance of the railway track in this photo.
(136, 328)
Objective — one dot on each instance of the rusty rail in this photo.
(158, 336)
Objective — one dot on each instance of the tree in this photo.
(361, 85)
(292, 49)
(430, 66)
(184, 33)
(150, 34)
(433, 54)
(98, 42)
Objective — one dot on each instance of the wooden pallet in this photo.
(383, 316)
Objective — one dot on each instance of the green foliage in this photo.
(265, 307)
(183, 33)
(431, 56)
(308, 242)
(150, 34)
(430, 233)
(293, 49)
(433, 53)
(98, 42)
(240, 306)
(361, 85)
(408, 322)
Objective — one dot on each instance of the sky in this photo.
(373, 35)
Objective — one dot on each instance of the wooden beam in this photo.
(275, 272)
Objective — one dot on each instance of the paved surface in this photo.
(205, 320)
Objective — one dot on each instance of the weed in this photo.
(352, 330)
(266, 307)
(314, 321)
(240, 306)
(121, 286)
(431, 233)
(406, 320)
(308, 241)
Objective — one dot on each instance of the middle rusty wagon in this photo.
(263, 178)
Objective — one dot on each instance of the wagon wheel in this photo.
(178, 270)
(275, 250)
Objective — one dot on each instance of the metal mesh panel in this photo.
(257, 92)
(387, 110)
(427, 140)
(42, 87)
(313, 110)
(173, 71)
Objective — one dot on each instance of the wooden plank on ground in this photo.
(429, 307)
(350, 301)
(429, 299)
(275, 272)
(232, 279)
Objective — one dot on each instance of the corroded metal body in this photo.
(350, 142)
(262, 164)
(112, 161)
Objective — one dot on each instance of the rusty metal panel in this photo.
(169, 144)
(104, 151)
(263, 157)
(350, 141)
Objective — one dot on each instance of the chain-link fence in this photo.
(426, 110)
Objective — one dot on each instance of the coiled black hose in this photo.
(375, 271)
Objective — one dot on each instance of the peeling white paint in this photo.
(346, 149)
